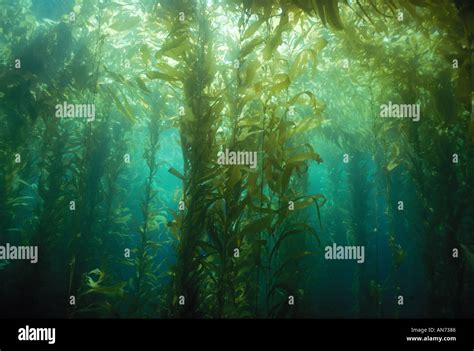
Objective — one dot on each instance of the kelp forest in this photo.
(236, 159)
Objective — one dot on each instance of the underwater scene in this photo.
(236, 159)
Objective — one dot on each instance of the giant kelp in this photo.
(126, 230)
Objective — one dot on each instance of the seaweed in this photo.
(136, 216)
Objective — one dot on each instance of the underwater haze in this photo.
(236, 159)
